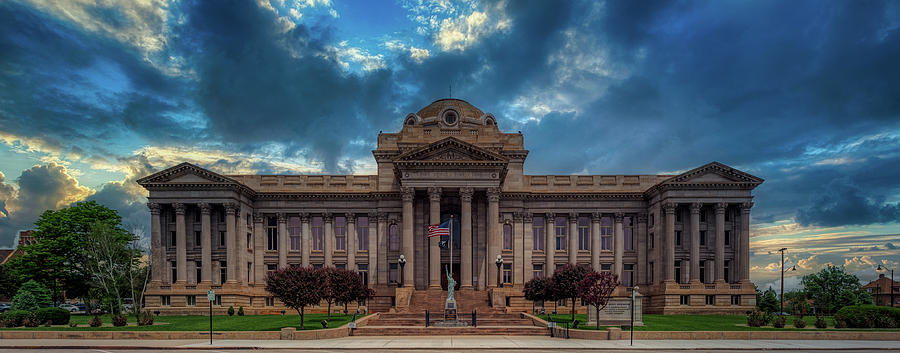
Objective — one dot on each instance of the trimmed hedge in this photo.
(868, 316)
(14, 318)
(56, 316)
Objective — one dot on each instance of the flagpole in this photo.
(451, 246)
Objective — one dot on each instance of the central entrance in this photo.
(444, 275)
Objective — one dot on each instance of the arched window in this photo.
(394, 238)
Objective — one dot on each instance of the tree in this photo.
(296, 287)
(833, 288)
(111, 263)
(31, 296)
(596, 288)
(331, 286)
(565, 282)
(363, 295)
(58, 256)
(9, 283)
(769, 302)
(537, 290)
(139, 274)
(346, 286)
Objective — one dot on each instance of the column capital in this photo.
(327, 217)
(382, 217)
(669, 207)
(619, 216)
(466, 194)
(408, 193)
(642, 217)
(595, 217)
(204, 207)
(393, 220)
(434, 194)
(373, 215)
(695, 207)
(550, 217)
(304, 217)
(720, 207)
(154, 208)
(527, 217)
(518, 216)
(230, 208)
(745, 207)
(493, 194)
(282, 218)
(258, 217)
(351, 217)
(179, 208)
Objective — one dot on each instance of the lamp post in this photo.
(793, 268)
(402, 262)
(883, 268)
(499, 263)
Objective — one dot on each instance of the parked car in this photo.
(4, 307)
(71, 308)
(81, 306)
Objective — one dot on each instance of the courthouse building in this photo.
(683, 239)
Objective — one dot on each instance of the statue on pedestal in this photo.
(451, 285)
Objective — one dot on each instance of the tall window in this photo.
(362, 234)
(317, 234)
(507, 273)
(196, 238)
(340, 233)
(677, 238)
(628, 223)
(223, 271)
(702, 271)
(678, 216)
(393, 273)
(727, 271)
(606, 233)
(191, 300)
(537, 228)
(650, 241)
(249, 272)
(650, 272)
(727, 238)
(394, 238)
(294, 231)
(702, 238)
(678, 271)
(537, 270)
(198, 269)
(584, 233)
(363, 273)
(627, 275)
(172, 239)
(702, 215)
(560, 227)
(272, 233)
(174, 268)
(222, 239)
(507, 236)
(249, 240)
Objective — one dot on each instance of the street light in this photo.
(793, 268)
(883, 268)
(402, 262)
(499, 263)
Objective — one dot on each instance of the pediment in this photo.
(185, 173)
(713, 173)
(450, 149)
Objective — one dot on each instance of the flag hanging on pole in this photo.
(439, 230)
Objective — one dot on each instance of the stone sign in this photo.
(617, 312)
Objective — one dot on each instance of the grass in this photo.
(201, 323)
(705, 323)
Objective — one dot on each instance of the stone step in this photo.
(450, 331)
(421, 322)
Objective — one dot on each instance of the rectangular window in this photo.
(341, 266)
(165, 300)
(507, 273)
(294, 232)
(196, 238)
(677, 238)
(727, 271)
(651, 220)
(710, 300)
(174, 266)
(249, 240)
(628, 224)
(727, 215)
(727, 238)
(218, 300)
(537, 230)
(677, 215)
(394, 238)
(702, 271)
(318, 266)
(362, 233)
(507, 236)
(584, 233)
(678, 271)
(249, 272)
(318, 234)
(702, 238)
(340, 233)
(271, 233)
(222, 239)
(605, 267)
(363, 273)
(650, 272)
(223, 271)
(270, 268)
(270, 301)
(561, 230)
(393, 274)
(702, 215)
(651, 241)
(735, 300)
(191, 300)
(172, 240)
(198, 268)
(684, 300)
(221, 216)
(628, 275)
(606, 232)
(537, 270)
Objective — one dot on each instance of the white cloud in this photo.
(458, 26)
(417, 54)
(343, 54)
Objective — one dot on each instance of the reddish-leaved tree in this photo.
(296, 287)
(537, 289)
(596, 288)
(565, 283)
(345, 285)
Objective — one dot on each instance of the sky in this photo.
(95, 94)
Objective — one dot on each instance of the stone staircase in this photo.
(466, 300)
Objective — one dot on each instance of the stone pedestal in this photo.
(617, 312)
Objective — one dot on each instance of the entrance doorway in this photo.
(444, 275)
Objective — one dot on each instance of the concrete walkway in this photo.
(455, 343)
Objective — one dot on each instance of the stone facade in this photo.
(682, 239)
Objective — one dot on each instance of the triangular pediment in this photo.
(450, 149)
(185, 173)
(712, 173)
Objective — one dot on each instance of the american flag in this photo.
(439, 230)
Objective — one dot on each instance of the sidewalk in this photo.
(457, 343)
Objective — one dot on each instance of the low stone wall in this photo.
(616, 333)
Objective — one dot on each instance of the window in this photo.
(172, 240)
(362, 233)
(198, 268)
(735, 300)
(340, 233)
(677, 238)
(270, 301)
(223, 271)
(651, 242)
(317, 266)
(341, 266)
(249, 240)
(702, 238)
(393, 273)
(317, 234)
(628, 223)
(727, 238)
(270, 268)
(651, 220)
(677, 216)
(537, 229)
(727, 271)
(271, 233)
(363, 273)
(628, 275)
(294, 232)
(191, 300)
(171, 216)
(537, 270)
(727, 215)
(560, 233)
(507, 236)
(684, 300)
(196, 216)
(702, 215)
(196, 238)
(507, 273)
(605, 267)
(394, 238)
(222, 239)
(174, 266)
(702, 271)
(218, 300)
(584, 233)
(221, 216)
(710, 300)
(249, 272)
(650, 272)
(678, 271)
(165, 300)
(606, 233)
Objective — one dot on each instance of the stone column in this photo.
(205, 244)
(549, 244)
(180, 244)
(242, 275)
(157, 249)
(382, 245)
(304, 239)
(618, 243)
(669, 209)
(434, 251)
(407, 247)
(595, 241)
(373, 249)
(695, 242)
(282, 240)
(230, 244)
(465, 235)
(518, 254)
(743, 252)
(259, 248)
(573, 238)
(328, 239)
(720, 242)
(493, 235)
(641, 248)
(351, 241)
(527, 245)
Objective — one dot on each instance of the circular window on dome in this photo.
(450, 117)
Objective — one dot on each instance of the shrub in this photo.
(231, 310)
(14, 318)
(119, 320)
(5, 323)
(73, 324)
(145, 318)
(779, 321)
(868, 316)
(58, 316)
(31, 321)
(96, 321)
(799, 322)
(840, 324)
(758, 318)
(31, 296)
(820, 321)
(241, 311)
(47, 323)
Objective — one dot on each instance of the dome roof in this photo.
(467, 110)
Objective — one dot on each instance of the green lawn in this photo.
(201, 323)
(703, 323)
